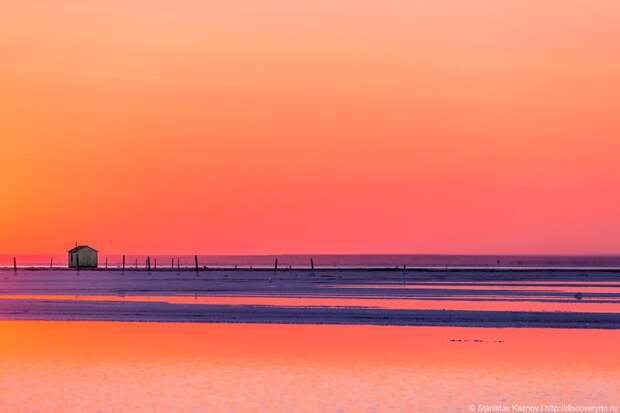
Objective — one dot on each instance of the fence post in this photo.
(123, 263)
(14, 264)
(275, 265)
(196, 262)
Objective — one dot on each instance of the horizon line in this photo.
(270, 254)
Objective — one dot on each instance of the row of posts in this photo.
(196, 265)
(148, 263)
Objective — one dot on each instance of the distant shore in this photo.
(412, 269)
(327, 260)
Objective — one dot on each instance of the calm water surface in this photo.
(458, 303)
(135, 367)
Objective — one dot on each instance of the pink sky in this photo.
(289, 127)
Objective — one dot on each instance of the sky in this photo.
(310, 126)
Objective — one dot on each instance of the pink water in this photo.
(469, 302)
(75, 367)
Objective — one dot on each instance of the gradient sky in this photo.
(235, 126)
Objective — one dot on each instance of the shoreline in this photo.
(207, 268)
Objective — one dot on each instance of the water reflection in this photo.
(429, 302)
(132, 367)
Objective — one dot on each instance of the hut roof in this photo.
(80, 248)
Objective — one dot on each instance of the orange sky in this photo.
(274, 126)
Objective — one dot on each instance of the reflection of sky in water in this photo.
(456, 302)
(564, 287)
(133, 367)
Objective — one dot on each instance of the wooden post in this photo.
(196, 262)
(275, 265)
(51, 263)
(179, 263)
(155, 263)
(14, 264)
(311, 263)
(136, 263)
(106, 262)
(148, 263)
(123, 263)
(172, 264)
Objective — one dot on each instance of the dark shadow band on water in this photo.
(205, 313)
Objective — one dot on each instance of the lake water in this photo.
(458, 303)
(150, 367)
